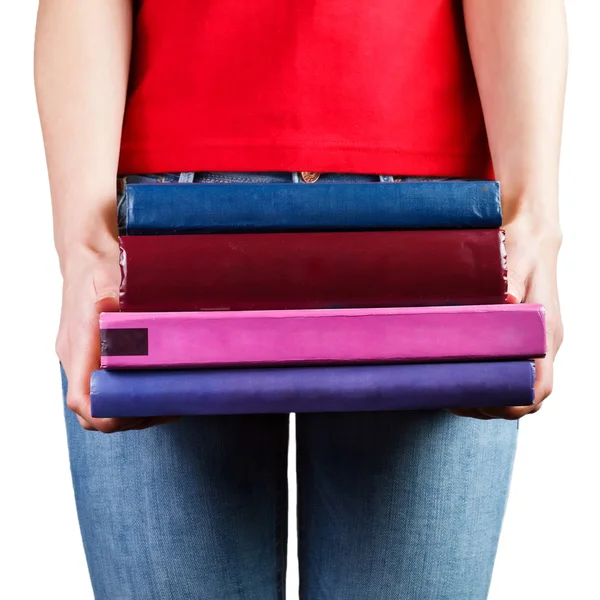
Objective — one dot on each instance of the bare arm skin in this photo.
(519, 53)
(82, 52)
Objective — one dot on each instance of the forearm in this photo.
(82, 55)
(519, 53)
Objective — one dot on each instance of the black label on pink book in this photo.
(124, 342)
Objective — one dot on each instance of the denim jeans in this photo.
(391, 506)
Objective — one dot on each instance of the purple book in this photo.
(292, 337)
(311, 389)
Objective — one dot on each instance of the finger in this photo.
(459, 412)
(536, 407)
(544, 368)
(84, 350)
(472, 413)
(140, 424)
(167, 420)
(107, 425)
(516, 287)
(107, 302)
(84, 424)
(554, 336)
(479, 415)
(85, 358)
(120, 425)
(106, 288)
(513, 413)
(544, 375)
(508, 413)
(156, 421)
(512, 298)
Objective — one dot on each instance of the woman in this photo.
(391, 505)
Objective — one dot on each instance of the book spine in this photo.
(311, 389)
(143, 340)
(312, 270)
(220, 208)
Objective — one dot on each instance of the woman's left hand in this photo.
(532, 263)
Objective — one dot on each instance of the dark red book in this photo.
(258, 271)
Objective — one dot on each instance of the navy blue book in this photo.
(311, 389)
(177, 208)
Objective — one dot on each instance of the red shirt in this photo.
(356, 86)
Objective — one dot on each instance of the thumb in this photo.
(108, 303)
(106, 288)
(516, 288)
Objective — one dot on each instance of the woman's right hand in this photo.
(90, 286)
(82, 58)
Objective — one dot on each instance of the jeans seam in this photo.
(299, 507)
(281, 514)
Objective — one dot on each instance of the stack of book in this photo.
(250, 298)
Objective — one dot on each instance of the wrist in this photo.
(532, 206)
(100, 250)
(530, 230)
(532, 214)
(85, 226)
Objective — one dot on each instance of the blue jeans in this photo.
(391, 506)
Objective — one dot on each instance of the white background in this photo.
(550, 542)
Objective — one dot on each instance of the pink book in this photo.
(379, 335)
